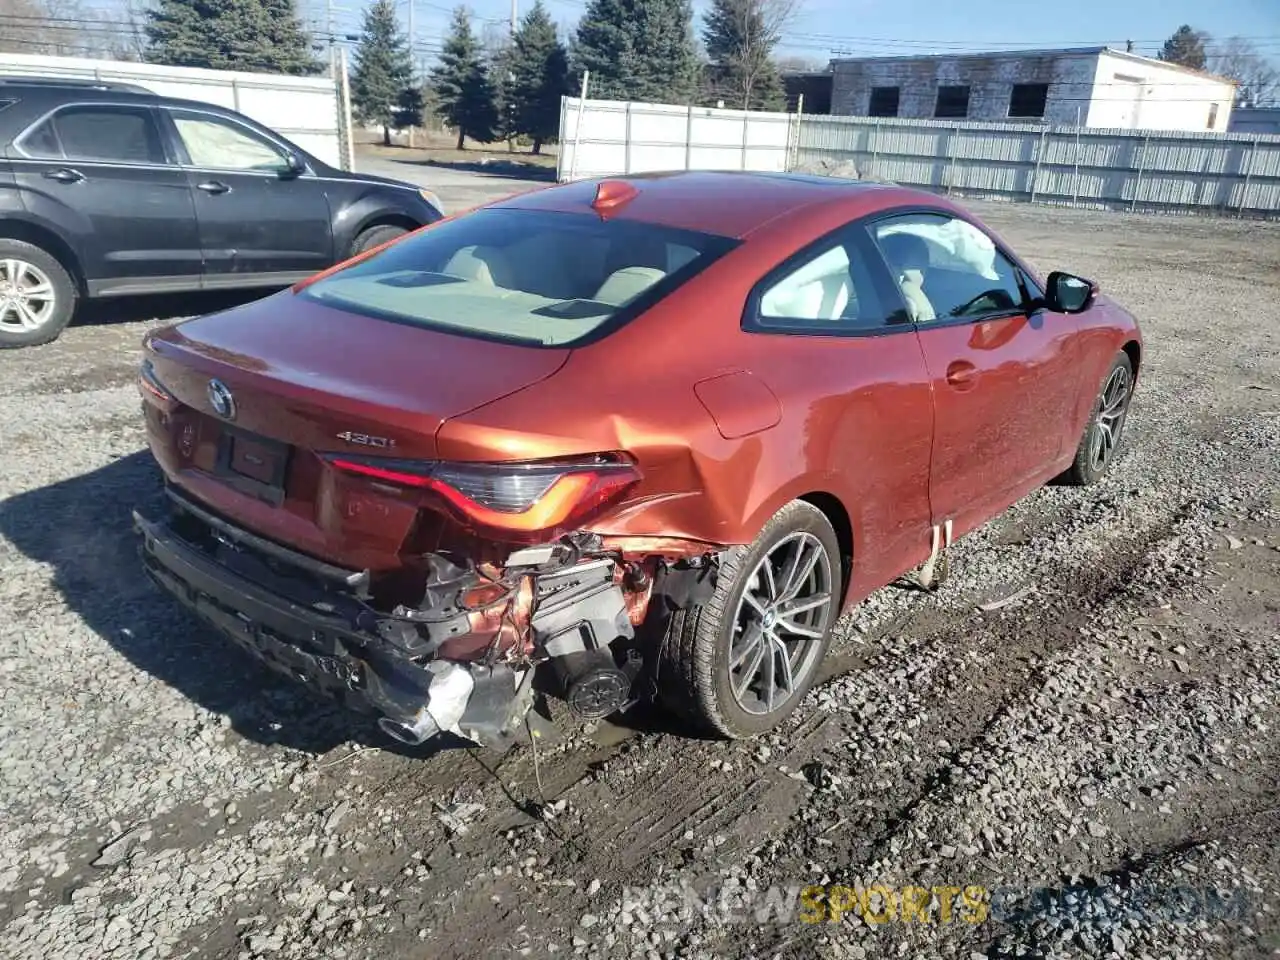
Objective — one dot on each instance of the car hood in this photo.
(373, 178)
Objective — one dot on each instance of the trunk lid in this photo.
(306, 379)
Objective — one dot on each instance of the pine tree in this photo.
(1185, 47)
(539, 66)
(383, 74)
(501, 63)
(740, 38)
(462, 83)
(258, 35)
(638, 50)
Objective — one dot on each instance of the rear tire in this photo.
(37, 295)
(376, 236)
(722, 664)
(1104, 433)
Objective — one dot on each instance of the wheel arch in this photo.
(842, 523)
(381, 218)
(1134, 351)
(51, 242)
(814, 491)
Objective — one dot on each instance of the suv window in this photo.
(946, 268)
(537, 277)
(829, 290)
(221, 144)
(91, 132)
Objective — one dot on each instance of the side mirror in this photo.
(294, 165)
(1069, 294)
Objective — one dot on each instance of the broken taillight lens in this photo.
(510, 498)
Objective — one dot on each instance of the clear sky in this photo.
(825, 28)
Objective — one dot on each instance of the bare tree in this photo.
(1239, 60)
(69, 28)
(797, 64)
(24, 27)
(740, 37)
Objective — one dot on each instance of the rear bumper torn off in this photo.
(332, 653)
(447, 643)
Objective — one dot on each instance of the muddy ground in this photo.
(1093, 764)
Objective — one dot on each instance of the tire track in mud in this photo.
(1088, 594)
(702, 813)
(890, 847)
(1057, 631)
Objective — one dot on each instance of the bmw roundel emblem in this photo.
(224, 404)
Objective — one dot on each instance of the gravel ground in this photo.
(1094, 762)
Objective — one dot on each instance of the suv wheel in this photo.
(376, 236)
(37, 295)
(742, 662)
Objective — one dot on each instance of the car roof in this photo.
(727, 203)
(49, 91)
(55, 87)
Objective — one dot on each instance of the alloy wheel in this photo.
(27, 297)
(780, 623)
(1108, 422)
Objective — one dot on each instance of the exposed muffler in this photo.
(447, 696)
(421, 728)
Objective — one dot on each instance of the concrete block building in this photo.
(1089, 86)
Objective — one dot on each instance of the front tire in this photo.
(375, 237)
(1102, 436)
(37, 295)
(738, 665)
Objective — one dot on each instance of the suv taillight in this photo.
(511, 499)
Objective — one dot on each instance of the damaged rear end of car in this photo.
(315, 519)
(453, 640)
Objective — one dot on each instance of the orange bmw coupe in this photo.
(616, 439)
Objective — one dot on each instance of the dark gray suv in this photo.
(109, 189)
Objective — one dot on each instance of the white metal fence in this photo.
(1149, 170)
(306, 110)
(603, 137)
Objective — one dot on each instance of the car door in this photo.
(845, 357)
(106, 167)
(260, 222)
(1004, 371)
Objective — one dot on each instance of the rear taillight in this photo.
(514, 499)
(151, 388)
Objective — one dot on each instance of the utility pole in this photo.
(413, 62)
(513, 16)
(411, 46)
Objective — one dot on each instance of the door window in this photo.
(946, 268)
(212, 142)
(827, 290)
(104, 133)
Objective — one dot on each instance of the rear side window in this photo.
(536, 277)
(105, 133)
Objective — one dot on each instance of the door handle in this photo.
(213, 186)
(64, 175)
(962, 374)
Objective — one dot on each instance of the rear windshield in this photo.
(537, 277)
